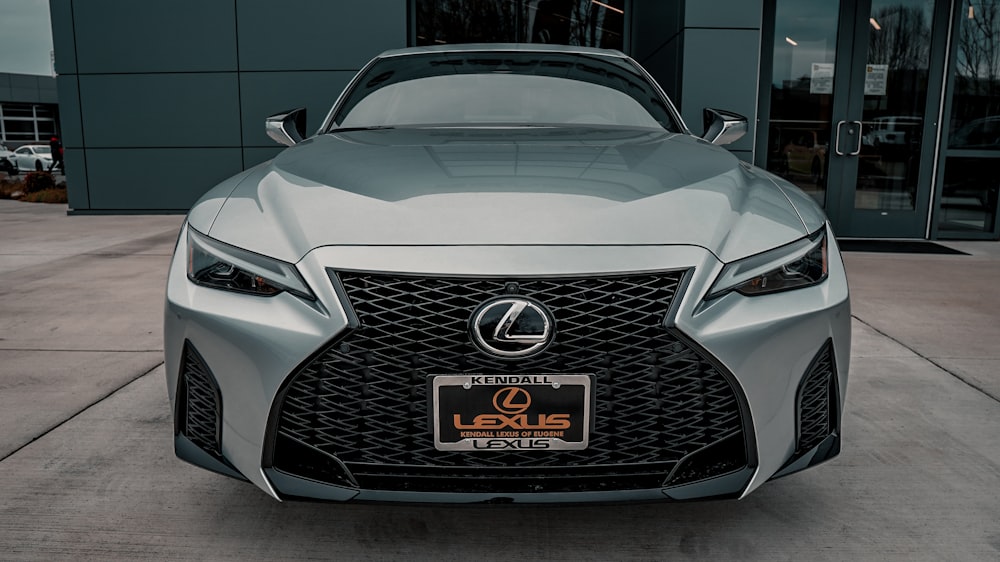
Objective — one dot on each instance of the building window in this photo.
(587, 23)
(23, 123)
(969, 191)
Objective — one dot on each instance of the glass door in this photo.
(803, 76)
(884, 146)
(853, 114)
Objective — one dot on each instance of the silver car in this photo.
(504, 273)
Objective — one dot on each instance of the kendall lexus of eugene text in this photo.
(506, 273)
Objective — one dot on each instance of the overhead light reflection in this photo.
(875, 24)
(612, 8)
(791, 42)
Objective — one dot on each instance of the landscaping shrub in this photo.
(9, 188)
(47, 196)
(38, 181)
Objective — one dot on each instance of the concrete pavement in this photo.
(79, 316)
(89, 473)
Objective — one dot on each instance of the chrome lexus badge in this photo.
(512, 327)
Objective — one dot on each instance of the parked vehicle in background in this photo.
(892, 130)
(983, 134)
(802, 153)
(7, 163)
(36, 157)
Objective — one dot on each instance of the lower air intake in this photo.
(817, 400)
(200, 403)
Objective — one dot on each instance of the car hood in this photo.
(504, 186)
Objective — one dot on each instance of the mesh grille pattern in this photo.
(364, 398)
(202, 403)
(816, 399)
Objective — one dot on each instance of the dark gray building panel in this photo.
(63, 39)
(720, 70)
(157, 87)
(177, 36)
(27, 88)
(656, 44)
(318, 34)
(48, 91)
(161, 110)
(69, 112)
(156, 178)
(718, 14)
(78, 191)
(267, 93)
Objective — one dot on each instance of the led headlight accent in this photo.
(800, 264)
(214, 264)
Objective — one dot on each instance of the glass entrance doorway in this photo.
(854, 98)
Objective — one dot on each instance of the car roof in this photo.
(503, 47)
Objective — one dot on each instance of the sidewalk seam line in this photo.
(967, 382)
(81, 411)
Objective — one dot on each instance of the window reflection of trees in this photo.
(567, 22)
(902, 39)
(969, 200)
(977, 89)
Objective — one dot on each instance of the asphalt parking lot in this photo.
(88, 469)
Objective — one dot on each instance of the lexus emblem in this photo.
(511, 400)
(512, 327)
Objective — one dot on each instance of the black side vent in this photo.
(817, 401)
(200, 403)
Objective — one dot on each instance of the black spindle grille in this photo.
(364, 398)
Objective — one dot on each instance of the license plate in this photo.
(511, 412)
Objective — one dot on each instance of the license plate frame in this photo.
(477, 412)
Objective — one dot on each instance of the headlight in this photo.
(214, 264)
(800, 264)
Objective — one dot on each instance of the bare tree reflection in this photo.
(565, 22)
(901, 38)
(979, 57)
(466, 21)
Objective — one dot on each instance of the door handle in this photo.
(836, 140)
(858, 151)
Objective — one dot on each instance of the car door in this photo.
(24, 159)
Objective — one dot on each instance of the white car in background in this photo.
(36, 157)
(894, 130)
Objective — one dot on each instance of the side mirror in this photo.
(287, 128)
(723, 127)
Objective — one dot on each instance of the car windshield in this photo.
(42, 150)
(503, 88)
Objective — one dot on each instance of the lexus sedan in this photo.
(506, 273)
(33, 157)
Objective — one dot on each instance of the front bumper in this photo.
(252, 346)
